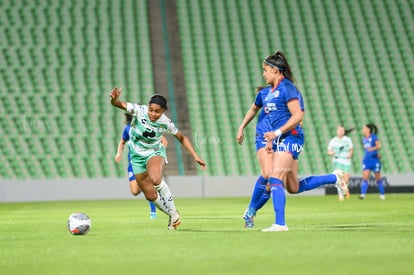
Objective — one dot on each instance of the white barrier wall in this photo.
(181, 186)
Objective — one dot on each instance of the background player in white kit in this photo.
(341, 150)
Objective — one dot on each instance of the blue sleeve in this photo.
(291, 93)
(302, 104)
(125, 133)
(258, 102)
(374, 139)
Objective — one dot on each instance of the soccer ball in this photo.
(79, 223)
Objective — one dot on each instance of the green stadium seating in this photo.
(352, 66)
(352, 61)
(55, 112)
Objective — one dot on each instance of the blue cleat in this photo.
(153, 215)
(248, 219)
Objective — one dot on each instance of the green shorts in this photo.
(139, 163)
(345, 167)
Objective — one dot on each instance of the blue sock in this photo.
(152, 207)
(381, 187)
(279, 200)
(262, 200)
(313, 182)
(364, 187)
(258, 190)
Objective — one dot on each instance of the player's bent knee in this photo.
(135, 192)
(266, 174)
(150, 196)
(279, 174)
(155, 180)
(292, 190)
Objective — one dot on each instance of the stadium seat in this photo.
(57, 74)
(328, 46)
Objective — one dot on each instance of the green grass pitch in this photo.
(325, 237)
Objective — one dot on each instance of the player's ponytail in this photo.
(128, 118)
(372, 128)
(279, 61)
(348, 131)
(259, 88)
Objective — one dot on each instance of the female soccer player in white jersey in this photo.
(147, 153)
(133, 185)
(285, 140)
(341, 149)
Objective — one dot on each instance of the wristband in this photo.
(278, 132)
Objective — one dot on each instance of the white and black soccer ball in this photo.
(79, 223)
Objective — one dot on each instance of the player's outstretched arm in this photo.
(185, 141)
(250, 114)
(119, 150)
(114, 95)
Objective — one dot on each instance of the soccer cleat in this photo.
(248, 220)
(174, 221)
(382, 197)
(362, 197)
(276, 228)
(153, 215)
(348, 195)
(341, 199)
(340, 181)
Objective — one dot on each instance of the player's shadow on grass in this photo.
(356, 227)
(204, 230)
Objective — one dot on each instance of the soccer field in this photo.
(325, 237)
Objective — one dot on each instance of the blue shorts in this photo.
(131, 175)
(260, 141)
(372, 165)
(292, 144)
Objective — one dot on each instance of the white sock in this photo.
(165, 193)
(340, 195)
(160, 204)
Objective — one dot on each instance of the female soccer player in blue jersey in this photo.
(261, 191)
(133, 185)
(341, 149)
(285, 140)
(371, 160)
(147, 153)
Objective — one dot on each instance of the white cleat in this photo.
(382, 197)
(276, 228)
(174, 221)
(340, 181)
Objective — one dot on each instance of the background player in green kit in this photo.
(147, 153)
(341, 150)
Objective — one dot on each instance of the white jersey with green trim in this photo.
(341, 148)
(145, 135)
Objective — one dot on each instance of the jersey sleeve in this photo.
(331, 145)
(258, 101)
(171, 127)
(351, 145)
(132, 108)
(301, 102)
(125, 133)
(374, 139)
(291, 93)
